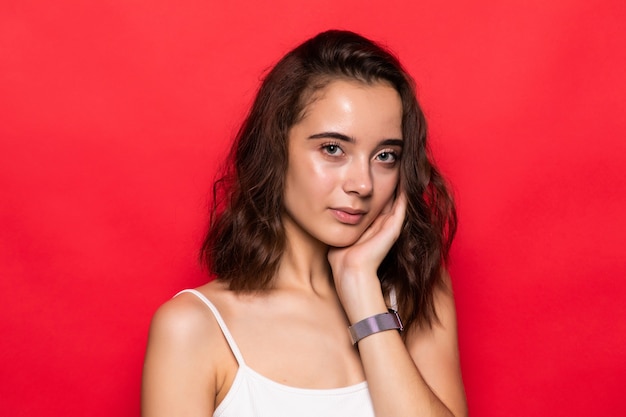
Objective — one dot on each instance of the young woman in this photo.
(330, 213)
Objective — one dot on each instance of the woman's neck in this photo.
(304, 263)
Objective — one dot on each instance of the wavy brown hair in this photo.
(246, 237)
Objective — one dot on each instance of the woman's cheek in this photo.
(324, 174)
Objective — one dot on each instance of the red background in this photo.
(115, 114)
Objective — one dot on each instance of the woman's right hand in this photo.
(354, 267)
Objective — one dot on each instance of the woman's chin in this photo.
(342, 238)
(342, 243)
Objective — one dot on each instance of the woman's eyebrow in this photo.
(333, 135)
(392, 142)
(346, 138)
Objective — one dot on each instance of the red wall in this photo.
(114, 114)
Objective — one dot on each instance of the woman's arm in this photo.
(421, 377)
(179, 376)
(435, 352)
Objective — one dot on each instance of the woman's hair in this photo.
(246, 237)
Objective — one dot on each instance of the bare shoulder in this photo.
(182, 368)
(435, 350)
(182, 321)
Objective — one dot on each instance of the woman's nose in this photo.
(358, 178)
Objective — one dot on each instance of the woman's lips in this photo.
(347, 215)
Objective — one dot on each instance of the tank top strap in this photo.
(229, 338)
(393, 299)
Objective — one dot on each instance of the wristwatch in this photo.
(375, 324)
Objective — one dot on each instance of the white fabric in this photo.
(252, 394)
(393, 300)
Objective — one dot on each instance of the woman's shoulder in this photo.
(185, 320)
(187, 359)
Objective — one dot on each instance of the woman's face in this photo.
(344, 161)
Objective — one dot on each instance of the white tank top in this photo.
(253, 395)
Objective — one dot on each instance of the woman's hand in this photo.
(354, 267)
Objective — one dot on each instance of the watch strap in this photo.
(375, 324)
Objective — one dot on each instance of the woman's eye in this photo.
(332, 149)
(387, 157)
